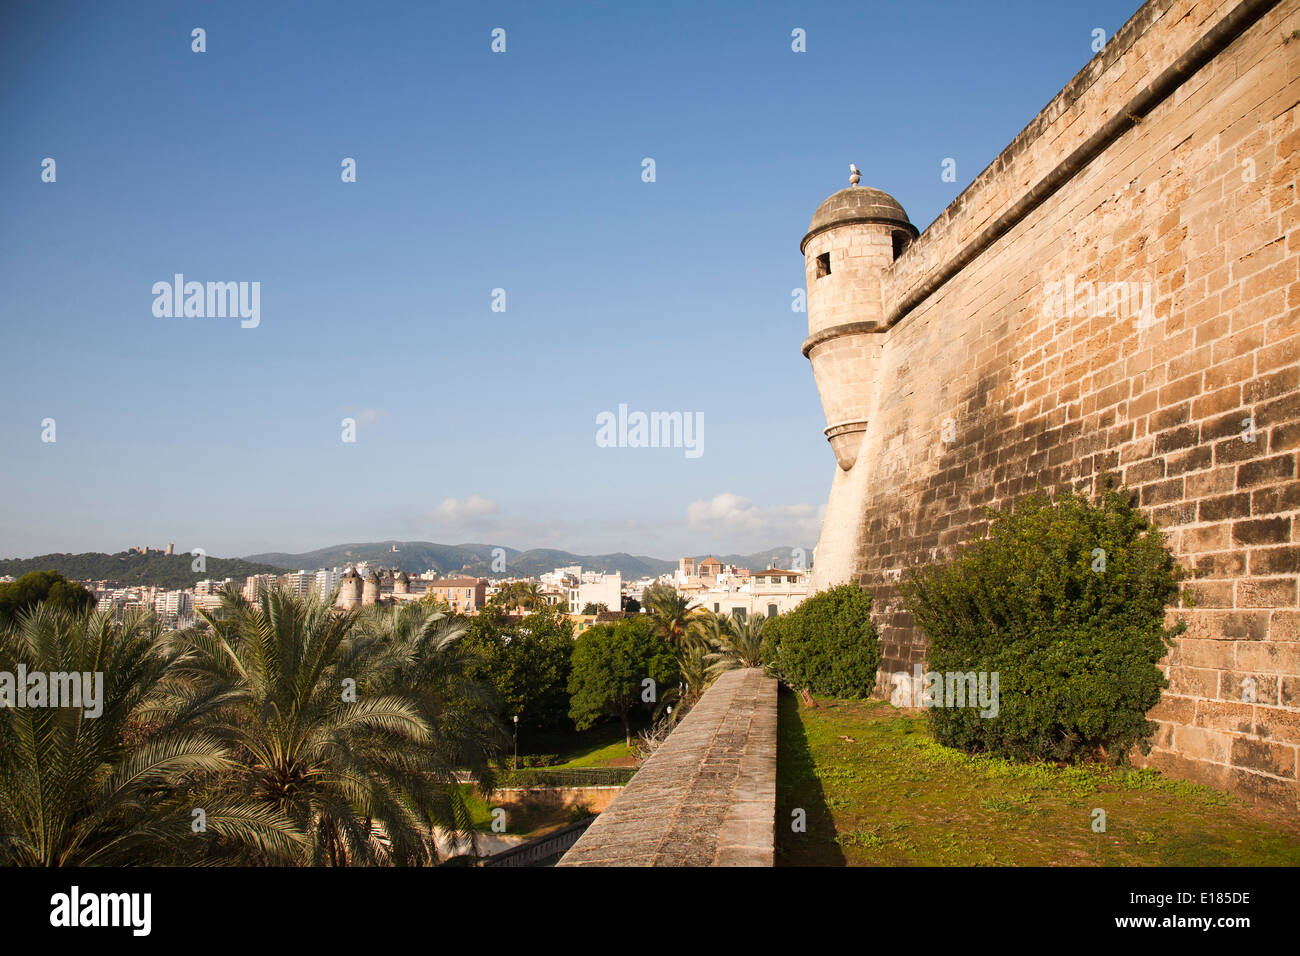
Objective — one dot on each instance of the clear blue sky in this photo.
(475, 171)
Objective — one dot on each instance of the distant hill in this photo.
(477, 559)
(409, 556)
(538, 560)
(132, 568)
(783, 558)
(160, 570)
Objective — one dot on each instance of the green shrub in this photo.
(539, 760)
(827, 644)
(565, 777)
(1065, 600)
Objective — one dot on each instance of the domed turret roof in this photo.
(350, 574)
(858, 204)
(371, 576)
(403, 577)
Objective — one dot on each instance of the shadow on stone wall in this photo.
(797, 787)
(919, 516)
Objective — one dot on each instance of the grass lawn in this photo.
(599, 746)
(878, 791)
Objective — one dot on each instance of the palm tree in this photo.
(703, 628)
(461, 712)
(693, 665)
(120, 779)
(672, 617)
(695, 674)
(323, 735)
(517, 594)
(530, 594)
(738, 643)
(708, 629)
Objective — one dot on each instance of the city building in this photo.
(327, 579)
(593, 587)
(462, 595)
(208, 587)
(300, 583)
(175, 608)
(255, 584)
(739, 592)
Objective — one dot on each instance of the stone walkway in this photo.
(707, 797)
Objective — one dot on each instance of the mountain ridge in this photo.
(483, 560)
(130, 568)
(476, 559)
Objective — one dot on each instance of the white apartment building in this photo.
(730, 591)
(299, 582)
(208, 587)
(173, 605)
(592, 587)
(561, 578)
(255, 584)
(327, 579)
(207, 602)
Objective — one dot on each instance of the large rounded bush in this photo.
(827, 644)
(1064, 600)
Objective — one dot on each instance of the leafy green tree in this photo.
(592, 607)
(527, 660)
(609, 664)
(1065, 601)
(828, 644)
(36, 587)
(119, 788)
(651, 589)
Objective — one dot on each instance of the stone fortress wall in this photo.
(967, 367)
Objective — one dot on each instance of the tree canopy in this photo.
(610, 665)
(527, 661)
(42, 587)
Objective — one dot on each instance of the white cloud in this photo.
(724, 512)
(724, 523)
(737, 522)
(455, 511)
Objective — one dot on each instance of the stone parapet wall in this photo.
(707, 796)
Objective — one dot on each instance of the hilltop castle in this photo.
(1111, 298)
